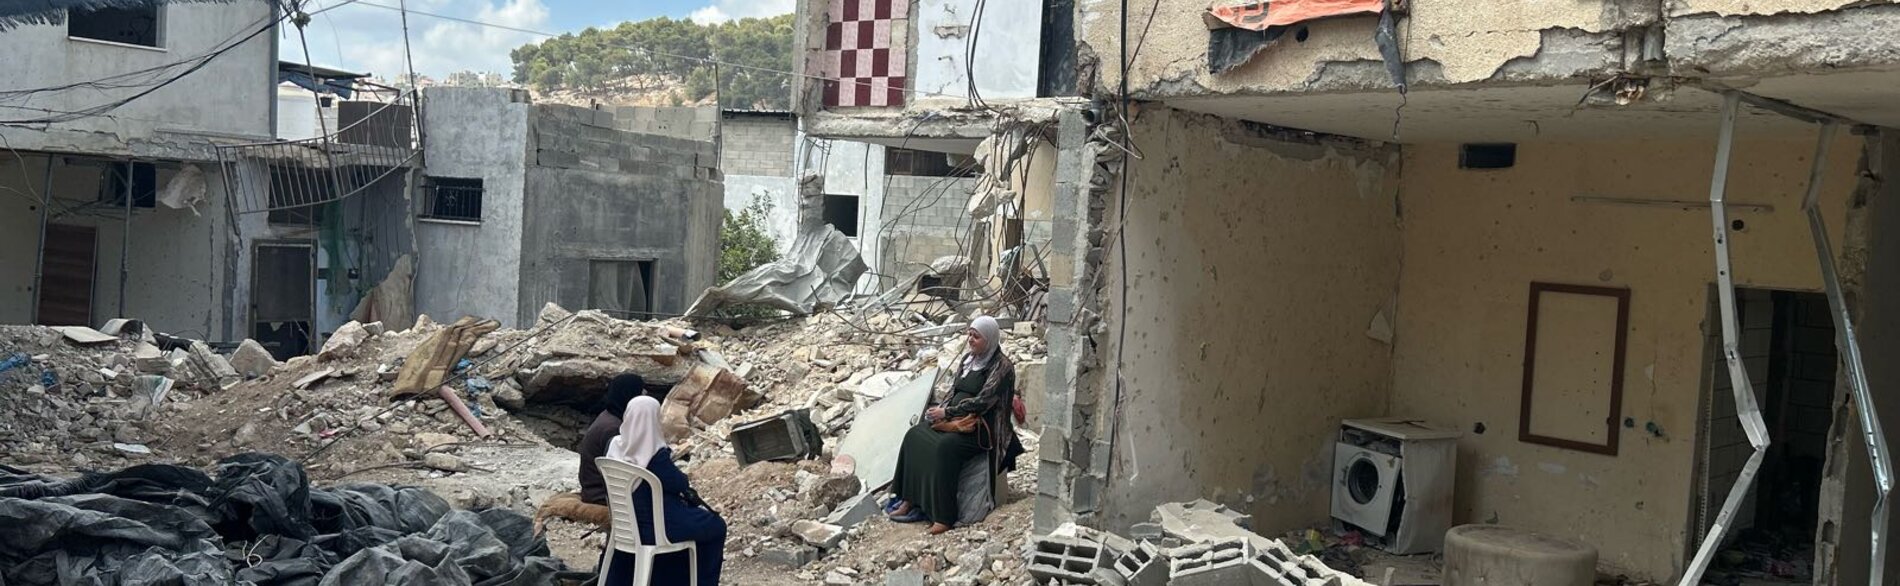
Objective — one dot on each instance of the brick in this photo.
(1142, 565)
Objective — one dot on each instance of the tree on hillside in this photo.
(647, 54)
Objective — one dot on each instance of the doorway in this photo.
(66, 276)
(283, 297)
(1787, 346)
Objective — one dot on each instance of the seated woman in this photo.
(687, 517)
(606, 425)
(930, 461)
(590, 505)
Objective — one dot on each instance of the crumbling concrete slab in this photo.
(313, 378)
(708, 395)
(84, 335)
(1203, 521)
(879, 432)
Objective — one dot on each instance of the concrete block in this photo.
(821, 535)
(1492, 554)
(1067, 559)
(1143, 565)
(1220, 563)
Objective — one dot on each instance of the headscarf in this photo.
(639, 435)
(992, 334)
(620, 390)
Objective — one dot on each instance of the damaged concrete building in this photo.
(134, 191)
(566, 209)
(1517, 223)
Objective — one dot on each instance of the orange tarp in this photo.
(1260, 15)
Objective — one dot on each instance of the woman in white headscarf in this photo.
(687, 517)
(973, 422)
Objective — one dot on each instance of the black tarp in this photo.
(256, 520)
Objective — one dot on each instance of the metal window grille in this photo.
(453, 199)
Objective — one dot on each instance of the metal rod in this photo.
(125, 235)
(1668, 203)
(1746, 410)
(1849, 346)
(39, 254)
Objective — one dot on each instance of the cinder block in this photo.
(1065, 559)
(1220, 563)
(1143, 565)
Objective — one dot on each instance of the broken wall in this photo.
(923, 220)
(757, 156)
(174, 280)
(1008, 38)
(474, 269)
(1253, 267)
(1448, 42)
(857, 169)
(1475, 240)
(599, 194)
(1870, 274)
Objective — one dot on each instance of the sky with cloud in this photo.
(367, 38)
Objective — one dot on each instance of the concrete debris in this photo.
(85, 335)
(859, 380)
(1066, 559)
(345, 340)
(819, 535)
(251, 360)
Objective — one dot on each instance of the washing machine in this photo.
(1365, 486)
(1392, 482)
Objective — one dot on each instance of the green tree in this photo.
(673, 53)
(744, 241)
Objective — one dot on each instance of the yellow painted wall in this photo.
(1252, 275)
(1474, 240)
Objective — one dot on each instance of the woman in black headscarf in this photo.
(606, 425)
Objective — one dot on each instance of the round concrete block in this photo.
(1490, 555)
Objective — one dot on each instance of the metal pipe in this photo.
(461, 410)
(125, 233)
(1849, 346)
(1746, 410)
(39, 254)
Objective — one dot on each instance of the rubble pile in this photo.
(81, 398)
(354, 412)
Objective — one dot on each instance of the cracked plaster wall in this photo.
(1253, 267)
(1474, 240)
(1464, 41)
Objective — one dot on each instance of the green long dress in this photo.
(930, 461)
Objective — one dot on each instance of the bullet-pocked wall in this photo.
(1474, 240)
(1254, 266)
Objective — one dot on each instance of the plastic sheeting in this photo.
(256, 521)
(821, 270)
(1261, 15)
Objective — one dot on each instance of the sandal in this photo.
(914, 516)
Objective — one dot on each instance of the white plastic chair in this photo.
(622, 479)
